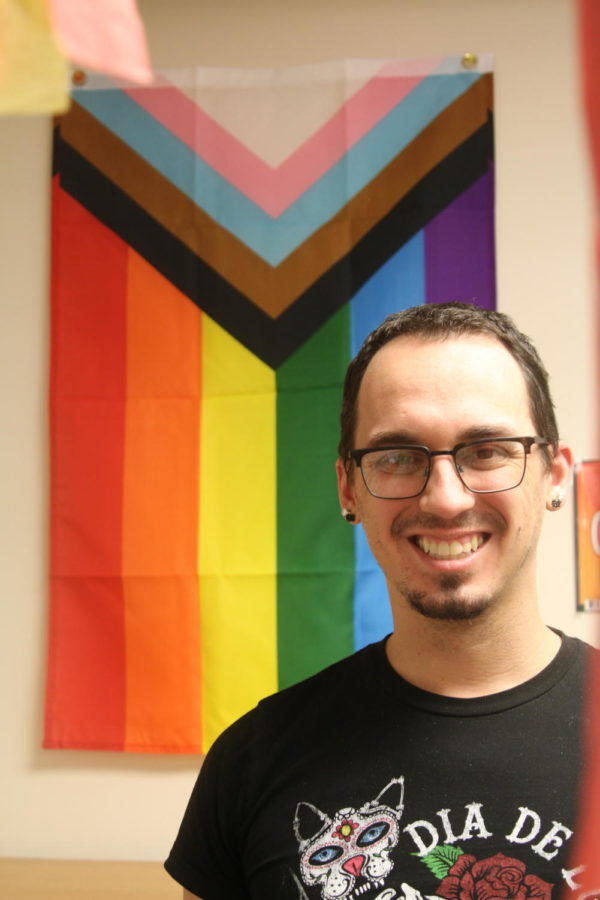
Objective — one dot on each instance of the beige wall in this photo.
(103, 805)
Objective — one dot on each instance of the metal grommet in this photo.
(469, 60)
(78, 78)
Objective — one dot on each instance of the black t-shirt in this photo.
(356, 784)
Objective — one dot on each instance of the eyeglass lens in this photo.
(482, 467)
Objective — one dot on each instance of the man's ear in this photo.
(560, 476)
(346, 492)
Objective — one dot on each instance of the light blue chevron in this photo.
(398, 284)
(274, 239)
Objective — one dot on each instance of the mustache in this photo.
(466, 521)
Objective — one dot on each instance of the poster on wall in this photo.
(222, 243)
(587, 513)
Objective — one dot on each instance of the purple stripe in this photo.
(459, 248)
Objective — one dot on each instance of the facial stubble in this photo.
(448, 605)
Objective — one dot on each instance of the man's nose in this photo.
(445, 495)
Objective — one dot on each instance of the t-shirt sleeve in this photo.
(206, 856)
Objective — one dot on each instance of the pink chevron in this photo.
(274, 189)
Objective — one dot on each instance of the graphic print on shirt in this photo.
(349, 855)
(353, 846)
(498, 875)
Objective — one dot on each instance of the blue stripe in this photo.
(274, 239)
(398, 284)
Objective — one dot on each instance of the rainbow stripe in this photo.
(205, 304)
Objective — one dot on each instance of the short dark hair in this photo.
(438, 322)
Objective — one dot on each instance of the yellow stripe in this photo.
(237, 533)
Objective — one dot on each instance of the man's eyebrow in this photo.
(473, 433)
(479, 432)
(391, 438)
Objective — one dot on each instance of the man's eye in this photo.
(485, 454)
(397, 459)
(394, 459)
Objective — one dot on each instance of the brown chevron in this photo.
(274, 289)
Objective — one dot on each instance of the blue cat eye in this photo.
(372, 833)
(325, 855)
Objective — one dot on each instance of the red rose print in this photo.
(498, 877)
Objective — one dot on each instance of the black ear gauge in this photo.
(348, 516)
(556, 499)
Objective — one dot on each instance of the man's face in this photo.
(439, 393)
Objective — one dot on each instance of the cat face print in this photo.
(353, 846)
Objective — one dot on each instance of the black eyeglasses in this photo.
(485, 466)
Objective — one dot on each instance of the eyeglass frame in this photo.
(527, 442)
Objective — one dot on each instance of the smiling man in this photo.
(445, 760)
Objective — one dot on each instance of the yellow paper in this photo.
(105, 35)
(34, 75)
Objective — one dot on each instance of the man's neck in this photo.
(472, 658)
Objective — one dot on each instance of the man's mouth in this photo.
(456, 549)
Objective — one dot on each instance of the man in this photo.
(444, 761)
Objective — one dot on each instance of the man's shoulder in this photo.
(335, 673)
(322, 691)
(312, 698)
(575, 649)
(567, 674)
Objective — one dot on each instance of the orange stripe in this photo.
(160, 513)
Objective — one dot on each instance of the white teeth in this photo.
(445, 550)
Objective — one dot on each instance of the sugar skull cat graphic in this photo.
(351, 848)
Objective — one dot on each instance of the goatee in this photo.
(447, 605)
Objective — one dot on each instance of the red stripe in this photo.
(86, 665)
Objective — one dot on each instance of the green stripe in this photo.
(315, 547)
